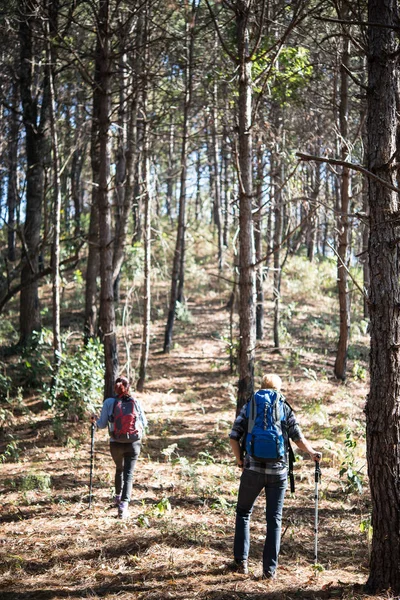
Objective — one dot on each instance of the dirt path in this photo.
(179, 536)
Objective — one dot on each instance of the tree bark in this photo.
(383, 407)
(343, 221)
(35, 121)
(278, 231)
(12, 185)
(102, 93)
(145, 193)
(247, 284)
(55, 251)
(216, 169)
(132, 153)
(178, 269)
(258, 238)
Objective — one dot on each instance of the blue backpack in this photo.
(264, 439)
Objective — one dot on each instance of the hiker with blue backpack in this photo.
(260, 442)
(126, 422)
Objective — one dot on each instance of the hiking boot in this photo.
(123, 510)
(239, 566)
(117, 500)
(269, 575)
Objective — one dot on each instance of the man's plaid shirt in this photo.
(269, 467)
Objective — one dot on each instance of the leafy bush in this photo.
(5, 386)
(35, 360)
(35, 481)
(182, 313)
(354, 480)
(11, 452)
(80, 381)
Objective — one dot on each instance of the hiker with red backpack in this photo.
(260, 442)
(126, 423)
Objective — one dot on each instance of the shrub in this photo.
(34, 362)
(35, 481)
(80, 381)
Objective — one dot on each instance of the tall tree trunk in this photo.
(216, 169)
(178, 269)
(312, 222)
(144, 354)
(258, 238)
(278, 229)
(247, 284)
(93, 261)
(169, 200)
(198, 188)
(55, 251)
(365, 204)
(78, 156)
(12, 185)
(102, 95)
(226, 184)
(132, 154)
(343, 222)
(35, 132)
(383, 407)
(120, 159)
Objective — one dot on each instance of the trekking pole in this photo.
(317, 480)
(91, 463)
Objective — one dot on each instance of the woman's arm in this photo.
(102, 421)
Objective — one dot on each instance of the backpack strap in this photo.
(278, 398)
(252, 413)
(291, 463)
(111, 417)
(291, 456)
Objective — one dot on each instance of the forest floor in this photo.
(178, 538)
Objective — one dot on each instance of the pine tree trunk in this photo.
(102, 94)
(343, 222)
(132, 155)
(216, 170)
(226, 184)
(76, 169)
(55, 252)
(12, 184)
(383, 407)
(312, 223)
(198, 188)
(247, 284)
(278, 229)
(35, 130)
(178, 268)
(258, 239)
(93, 261)
(169, 200)
(144, 354)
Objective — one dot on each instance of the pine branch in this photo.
(353, 166)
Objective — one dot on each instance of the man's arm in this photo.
(237, 452)
(304, 445)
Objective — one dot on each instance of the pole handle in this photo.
(317, 472)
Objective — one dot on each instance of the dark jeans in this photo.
(125, 457)
(251, 484)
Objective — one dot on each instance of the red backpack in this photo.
(126, 421)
